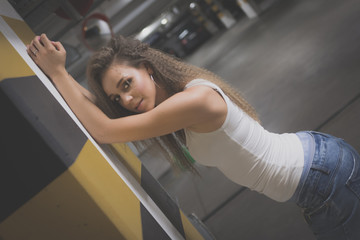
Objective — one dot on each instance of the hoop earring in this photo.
(152, 78)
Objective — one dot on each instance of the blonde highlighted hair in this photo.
(168, 71)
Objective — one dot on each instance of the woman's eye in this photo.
(116, 98)
(127, 83)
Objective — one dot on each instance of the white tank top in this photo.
(247, 154)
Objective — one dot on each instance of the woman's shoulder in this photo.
(206, 85)
(206, 95)
(209, 102)
(200, 81)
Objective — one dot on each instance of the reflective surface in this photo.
(96, 31)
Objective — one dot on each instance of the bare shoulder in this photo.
(211, 104)
(206, 97)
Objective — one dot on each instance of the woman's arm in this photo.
(50, 57)
(195, 106)
(85, 92)
(58, 46)
(198, 108)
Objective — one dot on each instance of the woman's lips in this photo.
(139, 104)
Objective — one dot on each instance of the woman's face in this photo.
(131, 87)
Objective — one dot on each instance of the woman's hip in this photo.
(330, 195)
(335, 165)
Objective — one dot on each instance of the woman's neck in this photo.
(161, 95)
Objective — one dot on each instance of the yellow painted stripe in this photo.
(129, 159)
(21, 29)
(191, 233)
(109, 191)
(62, 210)
(88, 201)
(12, 64)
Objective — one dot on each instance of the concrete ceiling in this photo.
(127, 17)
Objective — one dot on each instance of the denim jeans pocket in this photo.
(354, 180)
(325, 216)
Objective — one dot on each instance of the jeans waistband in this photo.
(308, 144)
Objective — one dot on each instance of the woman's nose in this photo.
(127, 98)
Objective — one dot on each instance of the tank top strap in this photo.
(203, 82)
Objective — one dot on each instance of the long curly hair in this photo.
(170, 72)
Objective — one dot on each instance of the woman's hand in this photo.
(49, 56)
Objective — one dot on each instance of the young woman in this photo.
(140, 93)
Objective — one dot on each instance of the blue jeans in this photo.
(329, 190)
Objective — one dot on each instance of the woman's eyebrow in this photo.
(117, 85)
(119, 82)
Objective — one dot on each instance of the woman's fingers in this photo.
(58, 46)
(33, 48)
(44, 41)
(36, 44)
(41, 44)
(32, 51)
(49, 56)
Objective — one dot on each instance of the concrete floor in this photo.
(298, 65)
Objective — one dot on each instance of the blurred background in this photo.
(296, 62)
